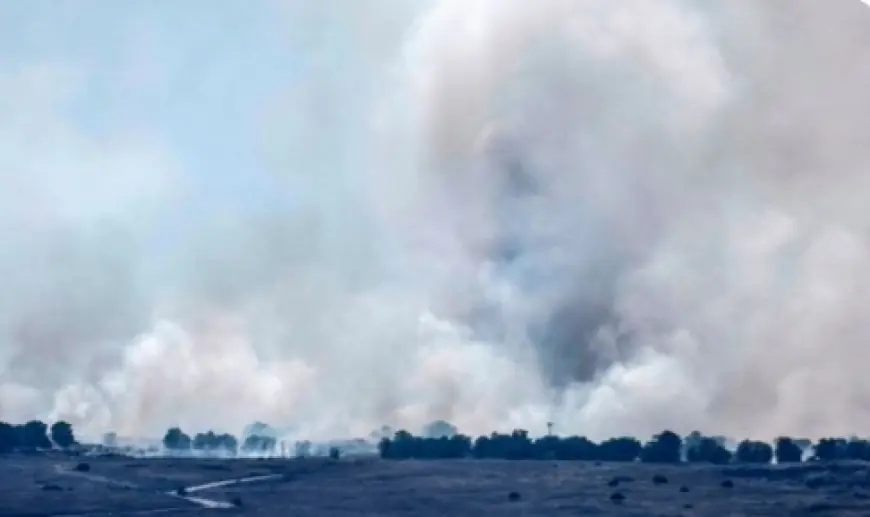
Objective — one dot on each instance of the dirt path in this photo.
(182, 493)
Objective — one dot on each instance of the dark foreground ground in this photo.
(42, 486)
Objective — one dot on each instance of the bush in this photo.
(754, 452)
(786, 451)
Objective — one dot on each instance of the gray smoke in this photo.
(618, 216)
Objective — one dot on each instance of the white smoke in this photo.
(618, 216)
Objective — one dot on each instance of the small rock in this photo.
(49, 487)
(688, 506)
(181, 491)
(617, 497)
(514, 496)
(659, 479)
(82, 467)
(236, 501)
(727, 484)
(597, 463)
(684, 489)
(613, 482)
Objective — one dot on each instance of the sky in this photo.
(335, 215)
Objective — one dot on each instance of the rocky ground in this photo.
(59, 485)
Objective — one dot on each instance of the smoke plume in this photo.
(617, 216)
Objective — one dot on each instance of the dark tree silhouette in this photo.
(786, 451)
(663, 448)
(830, 449)
(10, 437)
(62, 434)
(176, 440)
(34, 435)
(255, 444)
(623, 449)
(708, 450)
(754, 452)
(228, 443)
(209, 442)
(857, 449)
(577, 448)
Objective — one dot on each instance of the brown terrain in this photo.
(59, 485)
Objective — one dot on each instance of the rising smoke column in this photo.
(619, 216)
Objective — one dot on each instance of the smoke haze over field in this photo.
(621, 216)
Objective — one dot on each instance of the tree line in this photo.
(666, 447)
(35, 435)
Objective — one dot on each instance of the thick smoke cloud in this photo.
(618, 216)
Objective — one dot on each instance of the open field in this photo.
(41, 486)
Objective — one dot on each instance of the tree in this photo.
(830, 449)
(857, 449)
(10, 437)
(754, 452)
(577, 448)
(708, 450)
(176, 440)
(62, 434)
(623, 449)
(786, 451)
(227, 442)
(663, 448)
(34, 434)
(255, 444)
(204, 441)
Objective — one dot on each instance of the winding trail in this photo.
(182, 493)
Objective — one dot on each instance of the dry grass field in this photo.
(42, 486)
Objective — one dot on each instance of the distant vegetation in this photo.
(35, 435)
(442, 440)
(667, 447)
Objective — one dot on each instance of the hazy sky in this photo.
(333, 215)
